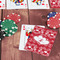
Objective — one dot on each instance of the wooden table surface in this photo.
(10, 45)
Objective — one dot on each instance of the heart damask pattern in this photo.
(41, 40)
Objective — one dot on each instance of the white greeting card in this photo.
(2, 4)
(38, 4)
(16, 4)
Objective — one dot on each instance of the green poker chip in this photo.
(9, 27)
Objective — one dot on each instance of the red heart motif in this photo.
(23, 27)
(43, 4)
(0, 2)
(22, 4)
(41, 40)
(0, 6)
(25, 4)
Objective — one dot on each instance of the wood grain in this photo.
(10, 50)
(0, 14)
(10, 45)
(39, 17)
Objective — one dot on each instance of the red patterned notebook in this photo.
(55, 3)
(41, 41)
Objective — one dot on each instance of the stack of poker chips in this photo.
(17, 2)
(8, 26)
(53, 20)
(2, 33)
(0, 23)
(37, 1)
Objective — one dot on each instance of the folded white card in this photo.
(23, 37)
(16, 4)
(38, 4)
(2, 4)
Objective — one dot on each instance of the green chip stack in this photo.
(9, 27)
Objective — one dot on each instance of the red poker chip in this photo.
(4, 18)
(13, 16)
(54, 22)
